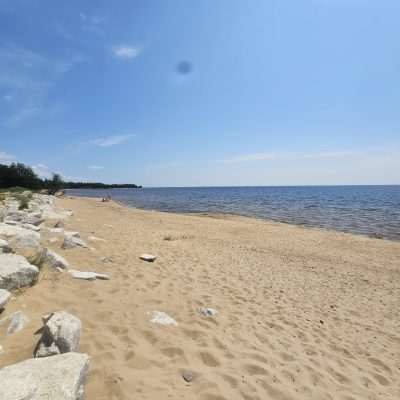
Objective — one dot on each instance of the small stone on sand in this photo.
(148, 257)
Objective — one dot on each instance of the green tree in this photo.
(55, 184)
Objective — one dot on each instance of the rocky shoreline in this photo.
(57, 370)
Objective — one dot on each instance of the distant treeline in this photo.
(21, 175)
(98, 185)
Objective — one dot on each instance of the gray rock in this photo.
(160, 317)
(16, 272)
(148, 257)
(90, 276)
(187, 376)
(61, 377)
(61, 333)
(5, 296)
(208, 312)
(72, 241)
(33, 219)
(16, 322)
(55, 260)
(16, 216)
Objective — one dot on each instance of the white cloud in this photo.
(111, 140)
(95, 167)
(6, 158)
(272, 156)
(126, 52)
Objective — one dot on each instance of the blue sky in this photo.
(270, 92)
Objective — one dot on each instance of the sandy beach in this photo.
(302, 313)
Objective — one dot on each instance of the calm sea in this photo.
(369, 210)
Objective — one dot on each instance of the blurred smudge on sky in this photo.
(184, 67)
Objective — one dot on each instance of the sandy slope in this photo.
(303, 314)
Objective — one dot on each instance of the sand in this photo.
(302, 313)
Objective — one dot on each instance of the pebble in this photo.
(148, 257)
(208, 312)
(187, 376)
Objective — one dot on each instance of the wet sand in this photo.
(302, 313)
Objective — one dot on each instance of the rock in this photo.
(61, 333)
(208, 312)
(31, 227)
(55, 260)
(71, 241)
(16, 216)
(24, 242)
(59, 224)
(160, 317)
(106, 259)
(11, 222)
(16, 322)
(61, 377)
(59, 193)
(90, 276)
(5, 247)
(187, 376)
(32, 219)
(16, 272)
(53, 240)
(5, 296)
(148, 257)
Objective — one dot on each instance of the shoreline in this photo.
(221, 215)
(301, 313)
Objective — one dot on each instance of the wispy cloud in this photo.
(27, 78)
(111, 140)
(126, 52)
(92, 23)
(272, 156)
(95, 167)
(7, 158)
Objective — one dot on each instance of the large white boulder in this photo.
(21, 236)
(61, 333)
(61, 377)
(24, 242)
(16, 272)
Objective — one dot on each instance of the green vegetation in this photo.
(18, 177)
